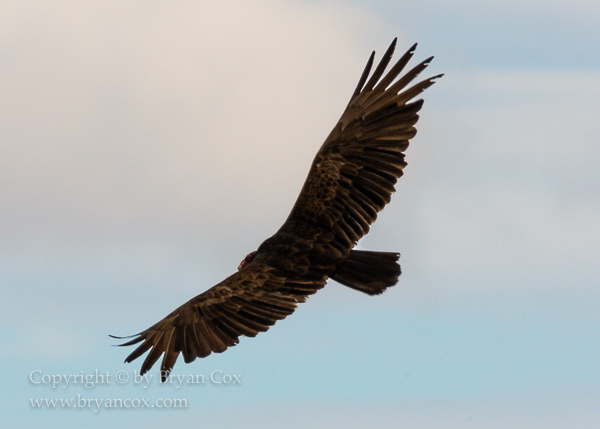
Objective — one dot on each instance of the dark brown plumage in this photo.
(351, 180)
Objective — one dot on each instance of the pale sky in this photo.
(147, 147)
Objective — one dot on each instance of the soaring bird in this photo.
(350, 180)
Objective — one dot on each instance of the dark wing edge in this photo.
(246, 303)
(354, 172)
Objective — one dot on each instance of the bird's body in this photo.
(351, 179)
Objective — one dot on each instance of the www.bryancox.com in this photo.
(97, 403)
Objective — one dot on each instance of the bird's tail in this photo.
(369, 272)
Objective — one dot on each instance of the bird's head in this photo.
(249, 257)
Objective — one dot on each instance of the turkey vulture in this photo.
(351, 179)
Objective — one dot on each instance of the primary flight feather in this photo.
(351, 180)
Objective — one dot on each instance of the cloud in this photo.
(134, 122)
(518, 175)
(146, 130)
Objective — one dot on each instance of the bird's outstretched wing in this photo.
(353, 174)
(351, 180)
(246, 303)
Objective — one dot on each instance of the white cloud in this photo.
(135, 121)
(148, 127)
(160, 131)
(503, 187)
(142, 139)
